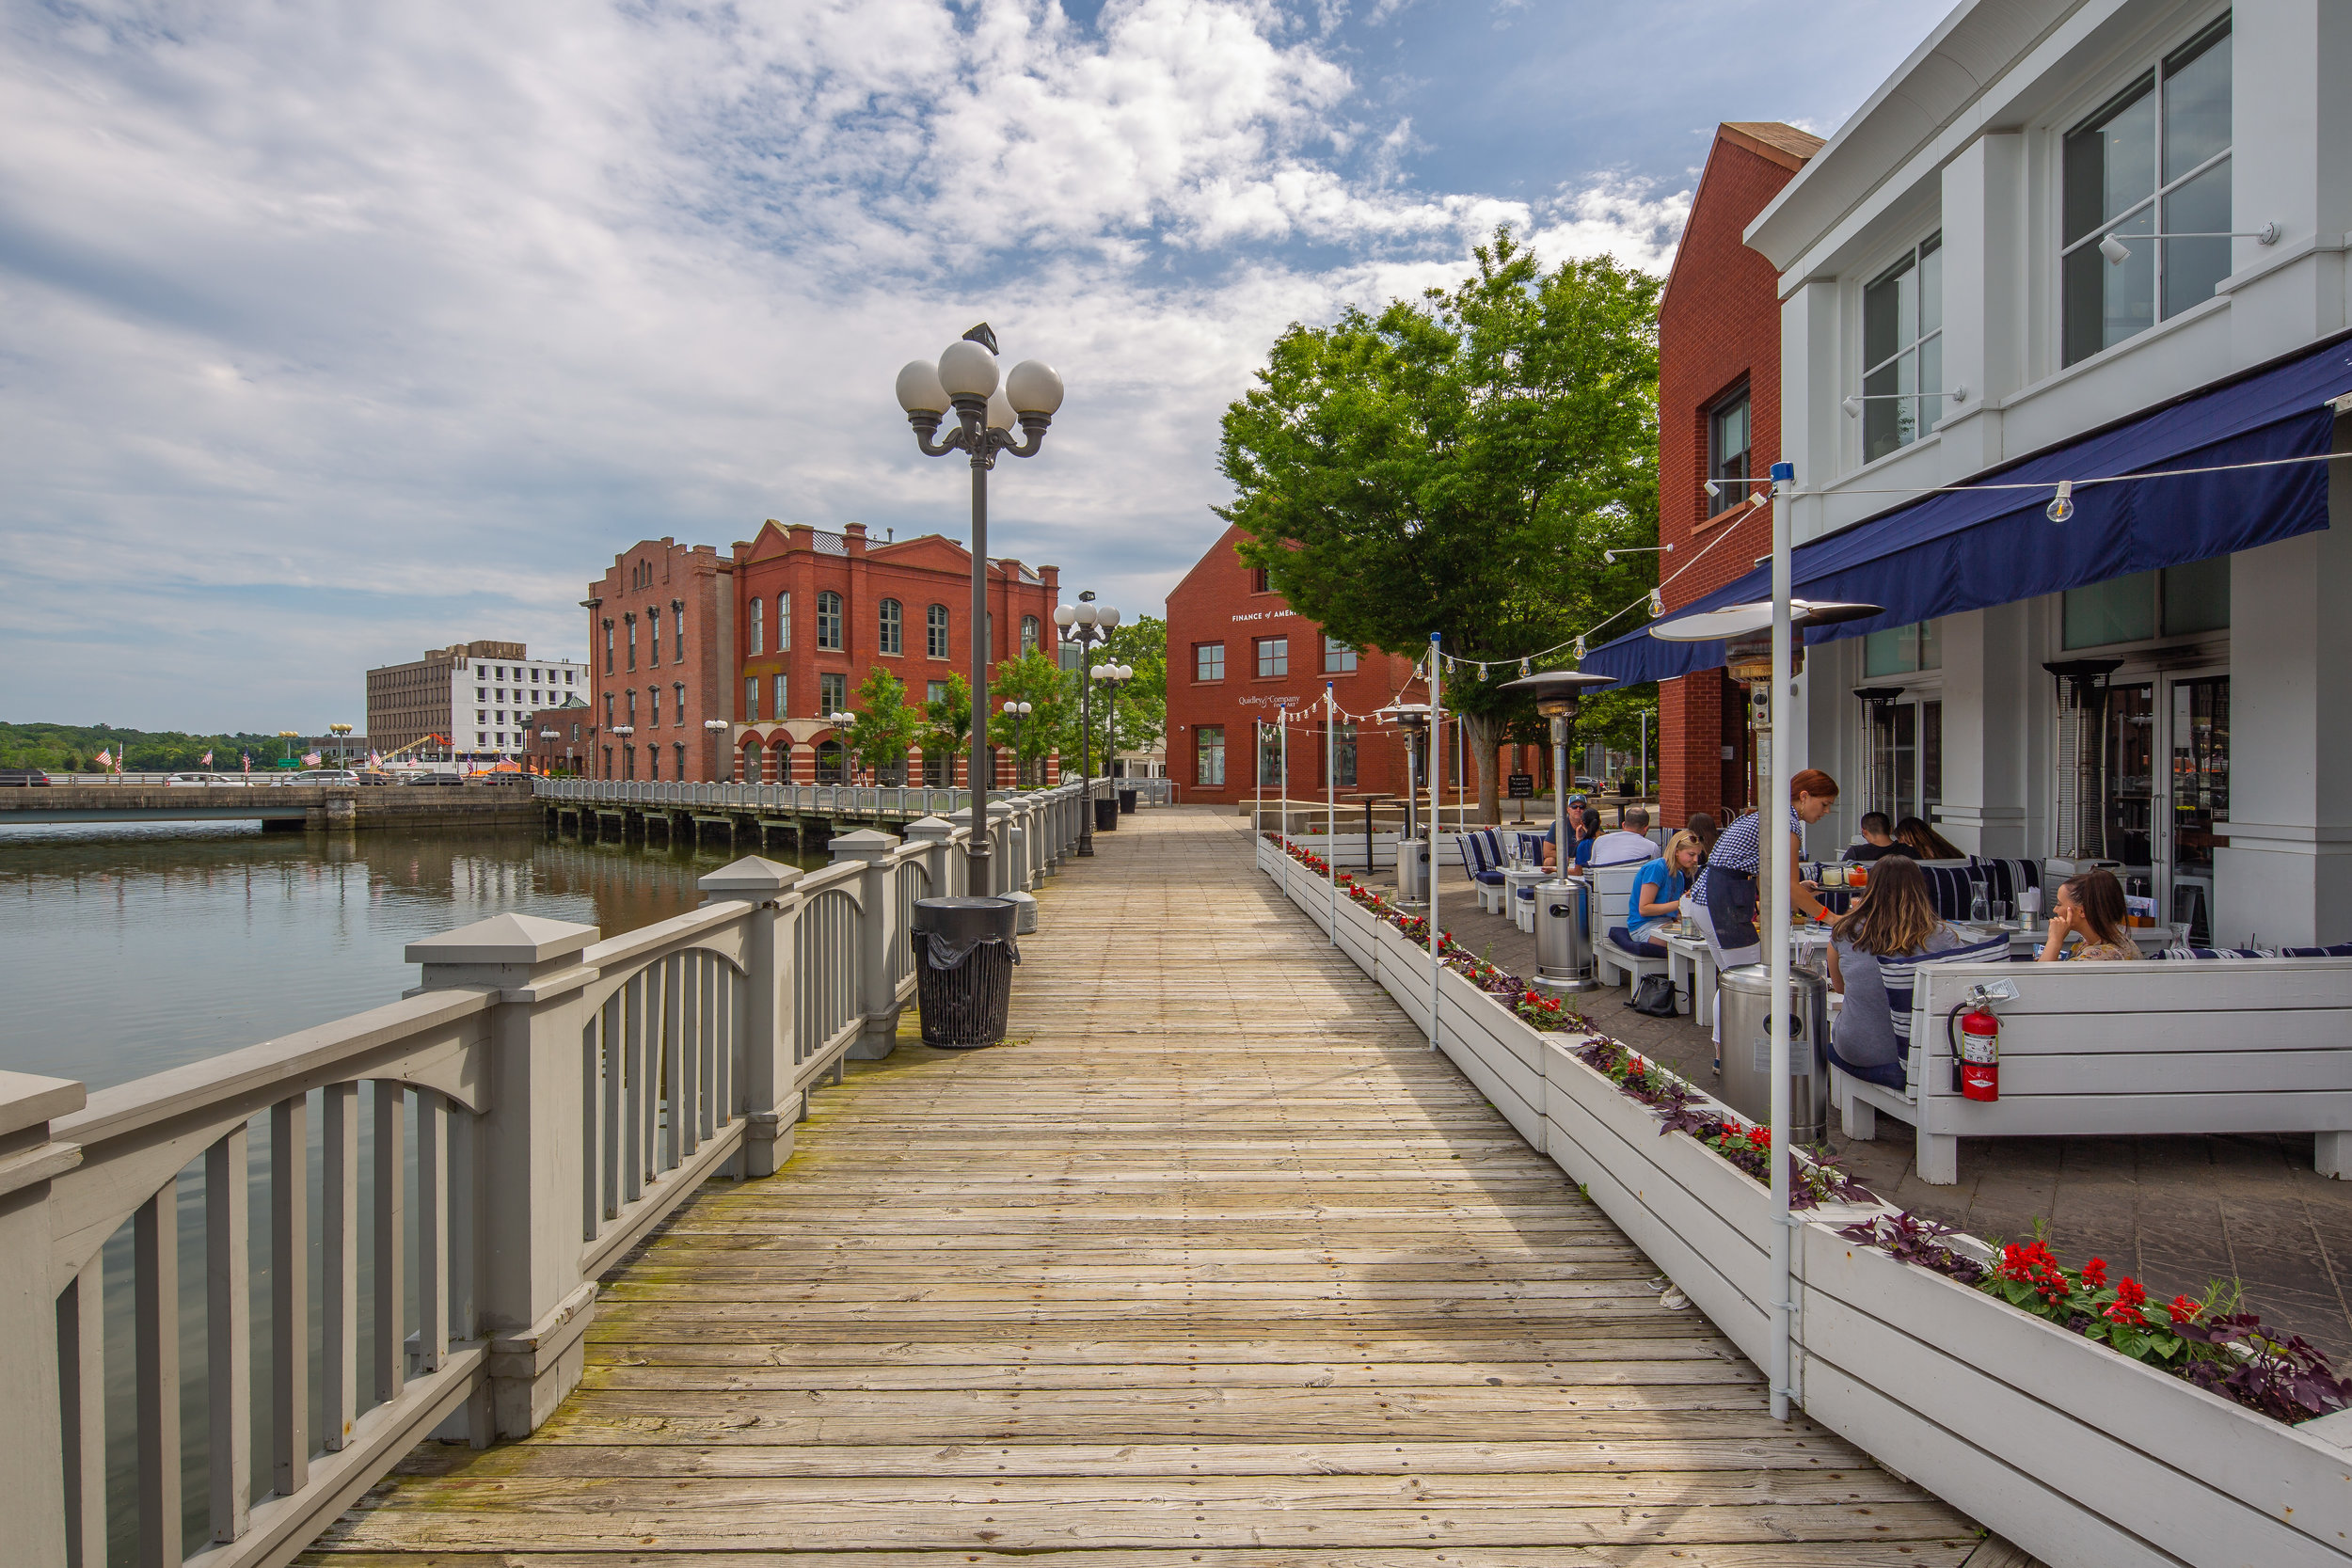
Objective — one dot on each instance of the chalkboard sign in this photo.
(1522, 787)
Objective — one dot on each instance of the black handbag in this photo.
(1655, 996)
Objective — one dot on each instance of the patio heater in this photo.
(1412, 864)
(1876, 700)
(2078, 816)
(1563, 957)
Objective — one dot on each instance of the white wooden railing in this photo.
(509, 1130)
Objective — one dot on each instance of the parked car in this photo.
(205, 780)
(433, 779)
(320, 776)
(369, 776)
(21, 778)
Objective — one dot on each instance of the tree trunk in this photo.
(1485, 735)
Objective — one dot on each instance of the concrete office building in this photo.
(477, 696)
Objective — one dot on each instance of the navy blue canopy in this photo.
(1969, 548)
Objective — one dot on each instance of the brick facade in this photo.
(1220, 604)
(1718, 336)
(786, 569)
(660, 645)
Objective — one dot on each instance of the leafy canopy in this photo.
(1457, 464)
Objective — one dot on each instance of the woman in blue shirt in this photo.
(1656, 896)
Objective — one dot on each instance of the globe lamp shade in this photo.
(1065, 615)
(1109, 617)
(919, 392)
(1126, 671)
(967, 370)
(1034, 387)
(1000, 414)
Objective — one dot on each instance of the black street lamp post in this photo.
(964, 381)
(1087, 625)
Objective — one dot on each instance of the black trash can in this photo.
(1127, 803)
(1106, 815)
(965, 950)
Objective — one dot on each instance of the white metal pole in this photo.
(1437, 769)
(1331, 806)
(1257, 765)
(1771, 852)
(1283, 784)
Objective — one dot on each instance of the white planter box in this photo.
(2070, 1451)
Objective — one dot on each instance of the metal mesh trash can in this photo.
(1747, 1082)
(965, 950)
(1106, 815)
(1127, 803)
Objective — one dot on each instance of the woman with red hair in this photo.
(1727, 893)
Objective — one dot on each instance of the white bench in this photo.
(1612, 890)
(2259, 1045)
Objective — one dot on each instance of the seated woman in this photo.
(1896, 918)
(1656, 896)
(1915, 835)
(2090, 906)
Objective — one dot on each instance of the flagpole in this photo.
(1331, 806)
(1772, 852)
(1437, 748)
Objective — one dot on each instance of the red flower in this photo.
(2095, 1272)
(2184, 1310)
(2124, 1312)
(2129, 1293)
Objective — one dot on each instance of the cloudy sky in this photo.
(332, 331)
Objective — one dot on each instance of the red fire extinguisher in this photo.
(1976, 1057)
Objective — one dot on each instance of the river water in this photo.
(125, 950)
(130, 949)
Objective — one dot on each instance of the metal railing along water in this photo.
(463, 1162)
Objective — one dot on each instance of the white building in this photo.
(1952, 238)
(478, 696)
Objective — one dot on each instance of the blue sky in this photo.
(330, 333)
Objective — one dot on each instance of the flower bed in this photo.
(2205, 1340)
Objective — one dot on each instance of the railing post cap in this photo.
(863, 844)
(29, 1099)
(754, 877)
(522, 939)
(930, 828)
(1001, 809)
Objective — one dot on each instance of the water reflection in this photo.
(139, 947)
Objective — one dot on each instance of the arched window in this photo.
(751, 761)
(1028, 634)
(829, 619)
(784, 623)
(935, 631)
(757, 644)
(893, 628)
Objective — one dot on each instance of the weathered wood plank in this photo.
(1211, 1263)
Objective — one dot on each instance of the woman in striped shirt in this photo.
(1727, 894)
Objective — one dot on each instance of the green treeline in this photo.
(75, 748)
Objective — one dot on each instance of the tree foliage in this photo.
(946, 729)
(75, 748)
(1457, 464)
(885, 726)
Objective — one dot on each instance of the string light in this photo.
(1657, 604)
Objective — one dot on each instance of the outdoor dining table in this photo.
(1516, 878)
(1367, 801)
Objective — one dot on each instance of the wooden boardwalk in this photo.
(1214, 1263)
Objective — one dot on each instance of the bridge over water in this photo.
(1213, 1261)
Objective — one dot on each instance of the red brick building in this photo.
(1236, 654)
(660, 663)
(1717, 416)
(557, 739)
(816, 611)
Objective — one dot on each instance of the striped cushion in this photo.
(1948, 885)
(1901, 975)
(2006, 879)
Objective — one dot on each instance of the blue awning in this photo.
(1971, 549)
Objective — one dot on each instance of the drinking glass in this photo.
(2000, 912)
(2180, 935)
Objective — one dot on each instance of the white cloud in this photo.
(339, 332)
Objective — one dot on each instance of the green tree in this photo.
(946, 729)
(885, 726)
(1142, 717)
(1035, 679)
(1457, 465)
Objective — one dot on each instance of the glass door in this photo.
(2129, 782)
(2200, 797)
(1895, 759)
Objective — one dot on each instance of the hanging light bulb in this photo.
(1608, 558)
(1657, 604)
(2062, 505)
(1579, 650)
(1524, 670)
